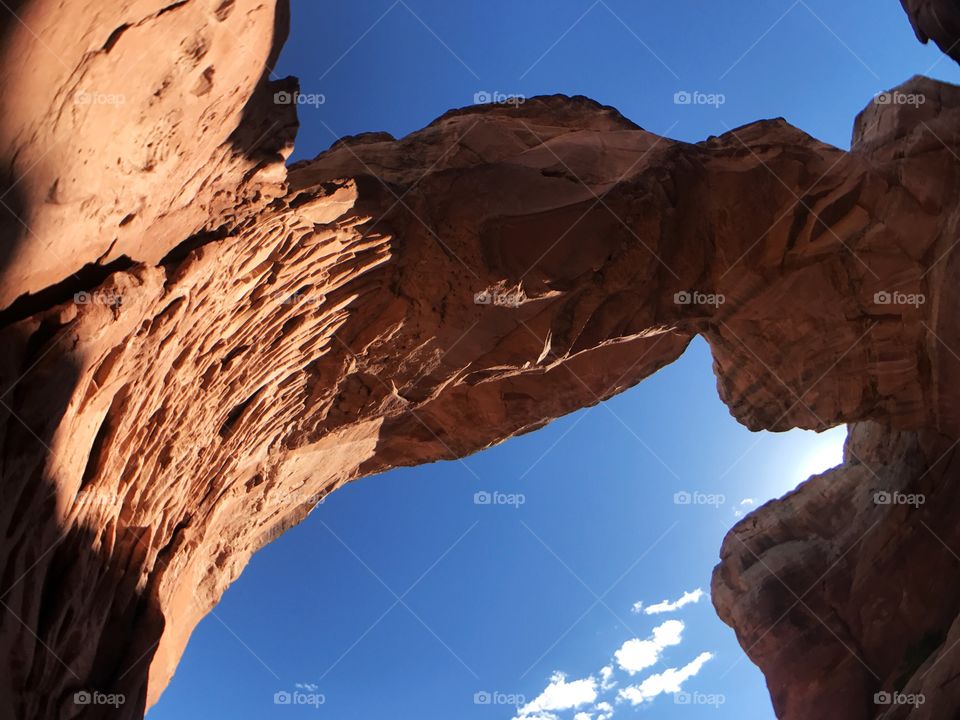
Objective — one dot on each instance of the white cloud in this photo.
(604, 711)
(636, 655)
(669, 681)
(559, 695)
(666, 606)
(587, 698)
(637, 607)
(746, 502)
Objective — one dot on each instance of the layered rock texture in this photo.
(201, 344)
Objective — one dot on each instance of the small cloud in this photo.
(637, 607)
(559, 695)
(669, 681)
(603, 710)
(606, 678)
(746, 502)
(636, 655)
(667, 606)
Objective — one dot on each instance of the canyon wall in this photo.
(201, 343)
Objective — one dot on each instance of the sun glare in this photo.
(825, 452)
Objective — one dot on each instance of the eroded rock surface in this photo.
(845, 591)
(201, 345)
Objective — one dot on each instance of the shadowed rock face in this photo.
(937, 20)
(201, 344)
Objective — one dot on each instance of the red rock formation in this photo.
(215, 344)
(937, 20)
(845, 591)
(133, 125)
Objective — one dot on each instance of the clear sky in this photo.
(402, 595)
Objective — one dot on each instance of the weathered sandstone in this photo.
(201, 344)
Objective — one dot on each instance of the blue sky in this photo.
(402, 595)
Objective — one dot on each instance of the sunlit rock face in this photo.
(201, 344)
